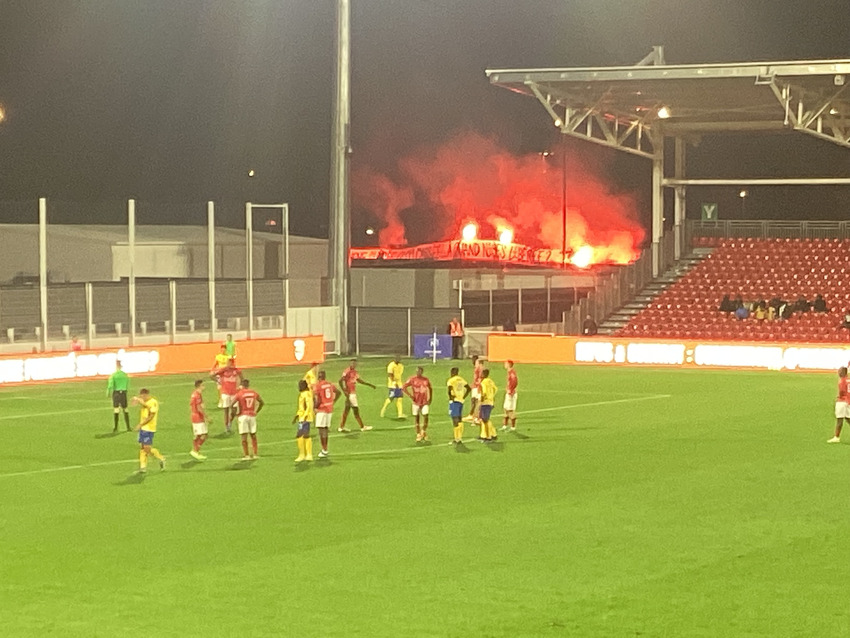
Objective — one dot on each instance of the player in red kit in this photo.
(418, 388)
(199, 421)
(842, 405)
(477, 370)
(228, 379)
(326, 396)
(247, 404)
(348, 384)
(510, 397)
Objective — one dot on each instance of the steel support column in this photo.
(131, 265)
(42, 270)
(211, 267)
(657, 203)
(680, 209)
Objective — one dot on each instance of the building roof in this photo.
(807, 96)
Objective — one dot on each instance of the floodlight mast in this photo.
(339, 227)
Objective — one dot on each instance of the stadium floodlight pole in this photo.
(285, 208)
(211, 266)
(563, 200)
(131, 265)
(42, 270)
(338, 229)
(249, 264)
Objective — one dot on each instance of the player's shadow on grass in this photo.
(222, 435)
(461, 448)
(495, 446)
(519, 435)
(188, 465)
(239, 466)
(136, 478)
(322, 463)
(108, 435)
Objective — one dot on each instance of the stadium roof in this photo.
(629, 107)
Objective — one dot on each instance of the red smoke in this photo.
(471, 178)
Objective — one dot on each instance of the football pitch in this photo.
(628, 503)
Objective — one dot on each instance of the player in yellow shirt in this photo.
(304, 417)
(311, 376)
(458, 390)
(221, 358)
(488, 399)
(395, 370)
(147, 428)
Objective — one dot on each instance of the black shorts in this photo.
(119, 399)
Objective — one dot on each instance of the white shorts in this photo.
(323, 419)
(419, 410)
(247, 424)
(842, 410)
(476, 393)
(510, 402)
(200, 428)
(225, 401)
(352, 400)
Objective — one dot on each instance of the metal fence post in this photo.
(131, 261)
(357, 331)
(172, 298)
(409, 334)
(42, 269)
(90, 332)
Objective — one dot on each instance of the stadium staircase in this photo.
(757, 269)
(621, 317)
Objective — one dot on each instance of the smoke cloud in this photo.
(435, 191)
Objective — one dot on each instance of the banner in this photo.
(733, 355)
(168, 359)
(463, 250)
(424, 346)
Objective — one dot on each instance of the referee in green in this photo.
(118, 385)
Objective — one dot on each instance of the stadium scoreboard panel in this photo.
(667, 353)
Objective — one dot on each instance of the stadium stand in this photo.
(755, 269)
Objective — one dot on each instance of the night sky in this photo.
(174, 101)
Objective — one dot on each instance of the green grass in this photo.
(716, 509)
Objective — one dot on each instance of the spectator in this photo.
(589, 327)
(760, 311)
(819, 304)
(76, 346)
(846, 323)
(509, 325)
(742, 312)
(456, 331)
(739, 302)
(801, 305)
(726, 304)
(786, 310)
(772, 313)
(775, 303)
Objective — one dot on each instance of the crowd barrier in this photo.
(169, 359)
(693, 354)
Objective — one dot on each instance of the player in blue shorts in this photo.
(458, 390)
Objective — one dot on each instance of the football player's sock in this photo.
(143, 459)
(308, 447)
(156, 454)
(460, 431)
(399, 406)
(127, 419)
(195, 444)
(491, 430)
(115, 421)
(344, 418)
(454, 432)
(244, 447)
(254, 445)
(384, 407)
(483, 428)
(359, 421)
(301, 447)
(505, 421)
(513, 422)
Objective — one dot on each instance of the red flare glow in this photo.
(437, 190)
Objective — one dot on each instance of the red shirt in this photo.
(421, 390)
(349, 380)
(512, 382)
(228, 378)
(247, 400)
(196, 403)
(842, 390)
(476, 376)
(325, 393)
